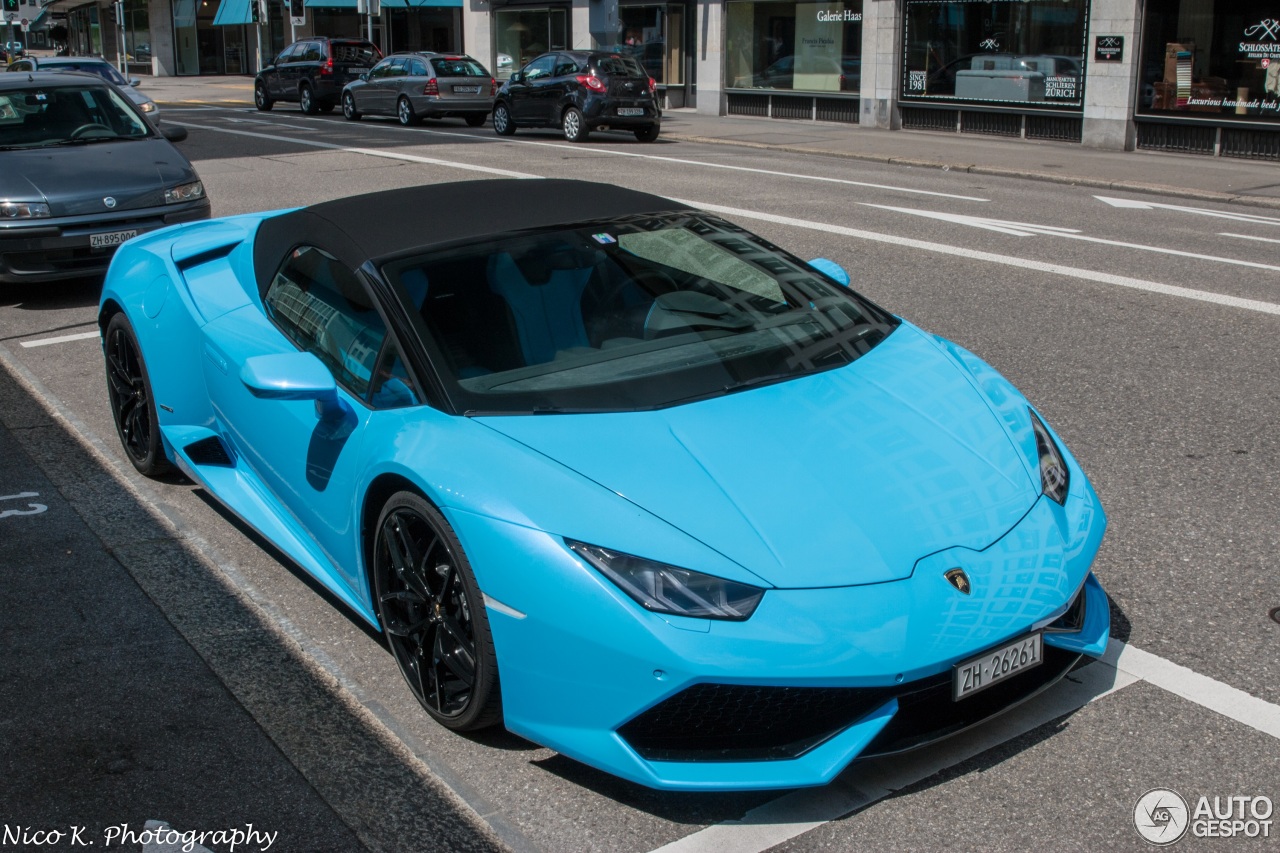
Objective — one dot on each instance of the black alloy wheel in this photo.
(132, 407)
(476, 120)
(306, 101)
(434, 615)
(349, 110)
(648, 134)
(405, 112)
(575, 126)
(261, 99)
(503, 125)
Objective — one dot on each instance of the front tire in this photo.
(434, 615)
(405, 112)
(132, 407)
(306, 101)
(261, 98)
(503, 124)
(349, 111)
(575, 126)
(475, 120)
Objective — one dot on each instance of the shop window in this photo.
(654, 35)
(1010, 52)
(522, 34)
(808, 47)
(1203, 59)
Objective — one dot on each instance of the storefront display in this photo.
(806, 47)
(520, 34)
(655, 35)
(1202, 58)
(1000, 52)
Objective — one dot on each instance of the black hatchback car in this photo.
(312, 72)
(580, 91)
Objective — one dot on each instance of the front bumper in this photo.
(587, 672)
(57, 249)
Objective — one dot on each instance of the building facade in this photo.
(1186, 75)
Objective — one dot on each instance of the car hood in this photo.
(74, 179)
(842, 478)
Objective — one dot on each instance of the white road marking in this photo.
(1019, 229)
(866, 782)
(35, 508)
(1134, 204)
(1247, 237)
(615, 152)
(1006, 260)
(370, 152)
(61, 339)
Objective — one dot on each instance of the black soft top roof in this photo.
(378, 225)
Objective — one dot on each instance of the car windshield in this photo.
(102, 69)
(624, 66)
(453, 66)
(627, 314)
(66, 115)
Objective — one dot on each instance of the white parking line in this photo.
(1248, 237)
(990, 257)
(866, 782)
(617, 152)
(62, 339)
(370, 152)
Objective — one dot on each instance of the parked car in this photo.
(414, 86)
(93, 65)
(781, 74)
(82, 171)
(580, 91)
(313, 72)
(616, 473)
(15, 49)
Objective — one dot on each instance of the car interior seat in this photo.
(543, 288)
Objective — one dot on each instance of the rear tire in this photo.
(648, 134)
(475, 120)
(575, 126)
(405, 112)
(327, 108)
(132, 407)
(349, 111)
(503, 124)
(261, 98)
(306, 101)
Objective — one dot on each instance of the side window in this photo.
(417, 68)
(392, 388)
(397, 68)
(311, 53)
(284, 55)
(565, 65)
(380, 70)
(321, 306)
(540, 67)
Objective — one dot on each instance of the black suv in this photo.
(579, 91)
(312, 72)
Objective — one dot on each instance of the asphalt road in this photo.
(1144, 332)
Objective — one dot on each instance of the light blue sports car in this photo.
(635, 483)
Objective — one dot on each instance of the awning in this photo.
(235, 12)
(37, 18)
(388, 4)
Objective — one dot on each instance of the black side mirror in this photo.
(173, 133)
(517, 77)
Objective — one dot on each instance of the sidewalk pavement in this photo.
(1187, 176)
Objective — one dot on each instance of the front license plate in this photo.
(630, 111)
(466, 90)
(992, 667)
(110, 238)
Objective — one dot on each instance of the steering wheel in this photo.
(85, 128)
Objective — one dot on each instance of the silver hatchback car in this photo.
(414, 86)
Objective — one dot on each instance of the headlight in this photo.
(184, 192)
(147, 106)
(666, 589)
(23, 210)
(1055, 479)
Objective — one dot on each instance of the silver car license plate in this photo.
(107, 239)
(992, 667)
(630, 111)
(466, 90)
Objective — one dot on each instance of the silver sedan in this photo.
(414, 86)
